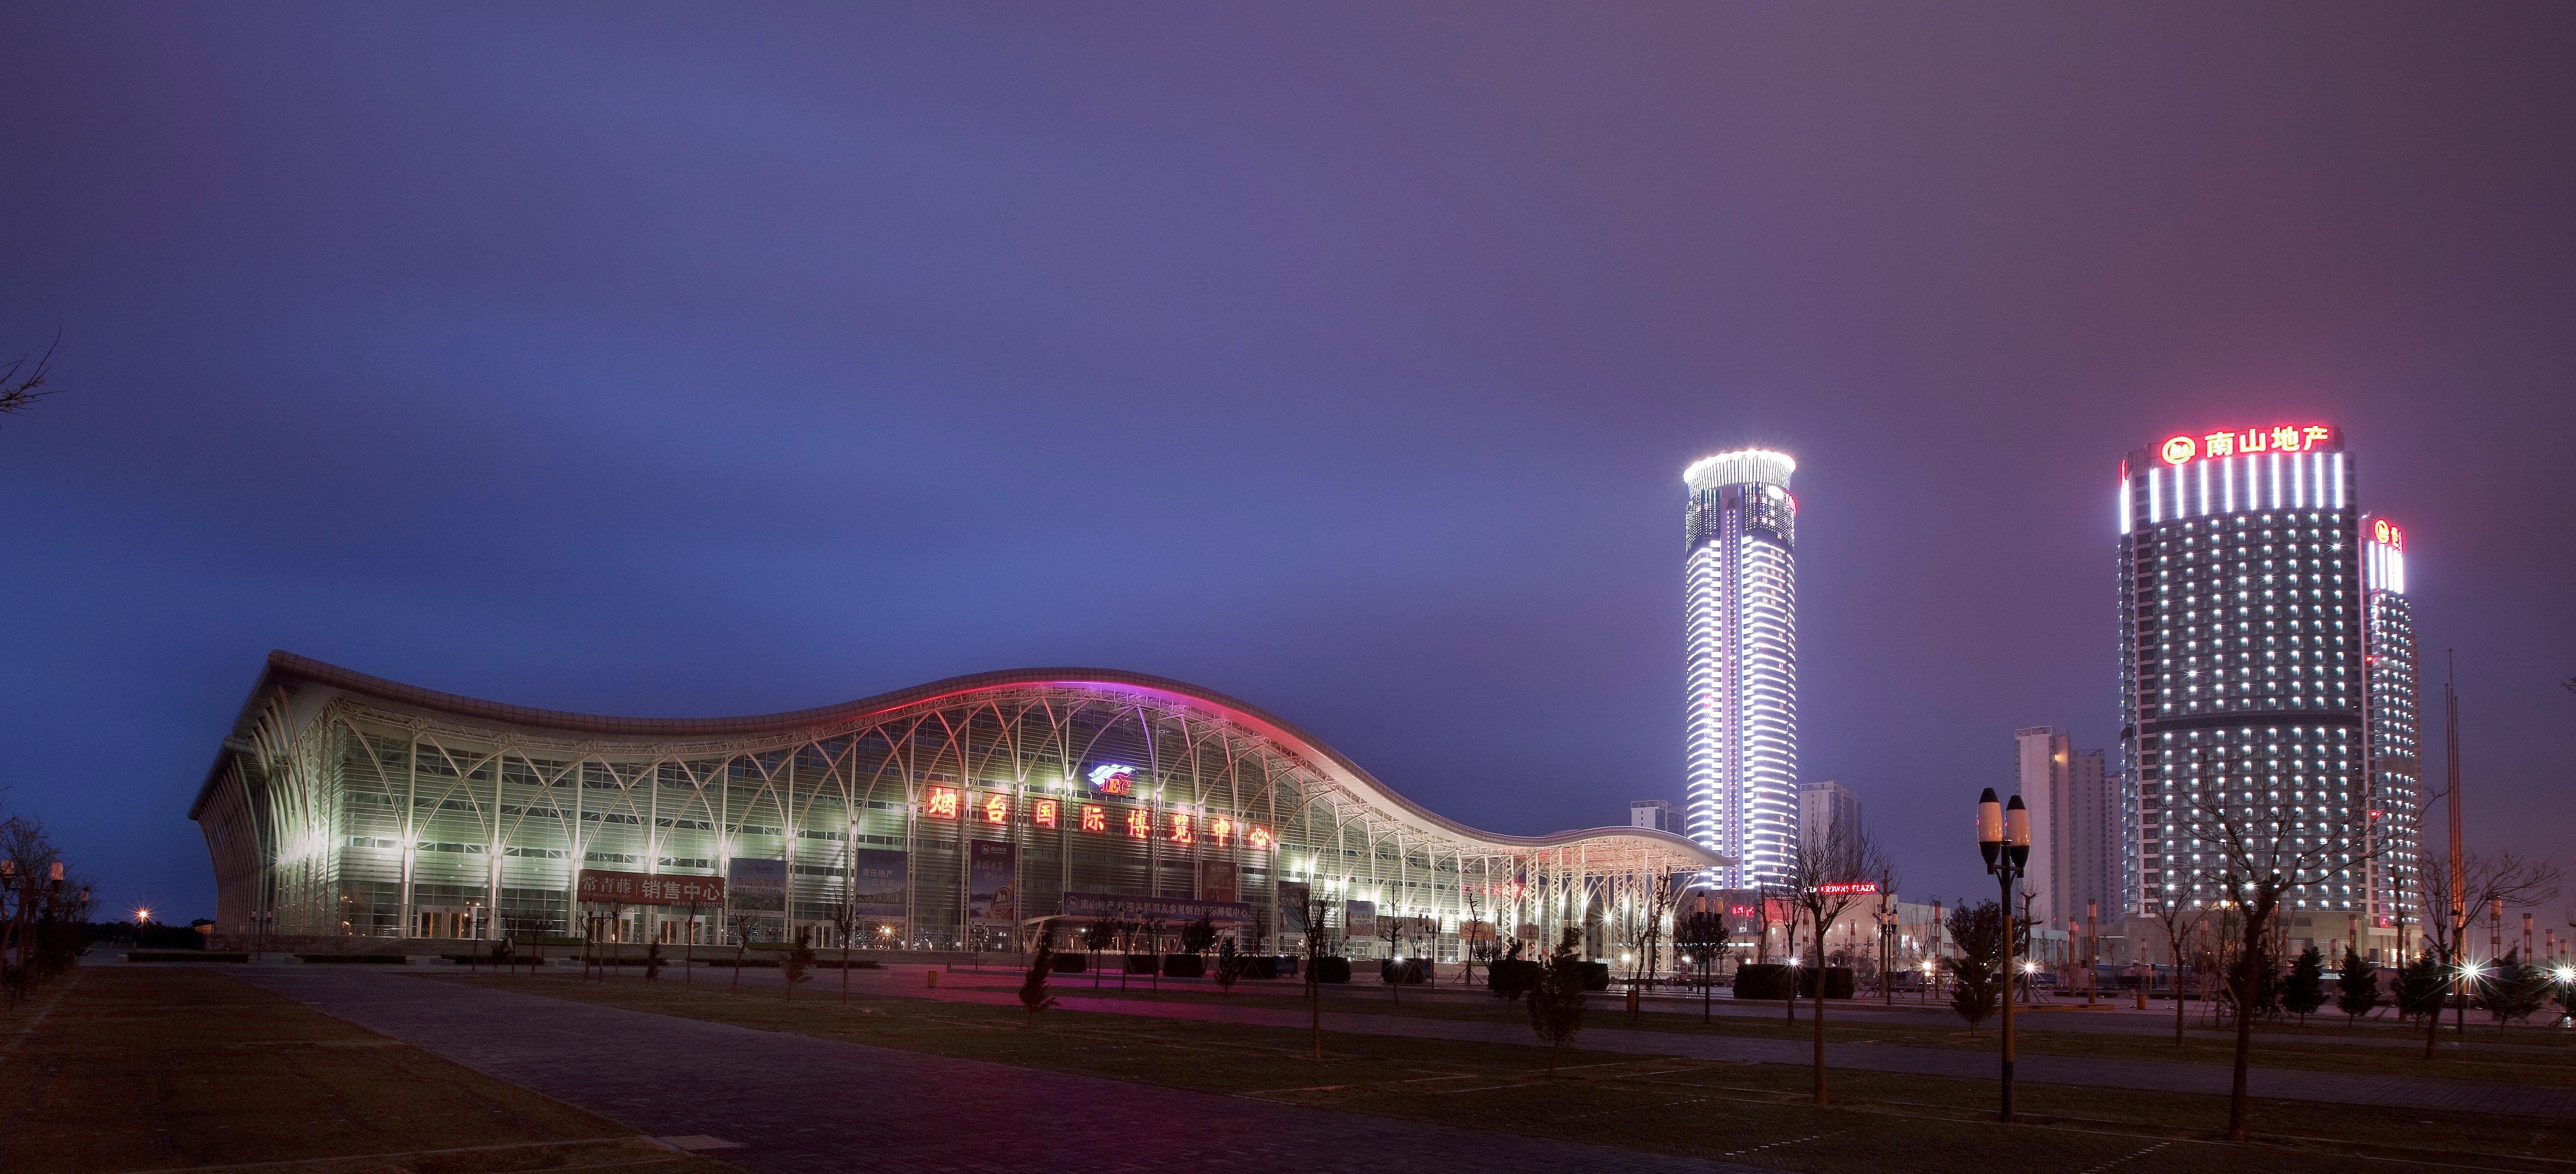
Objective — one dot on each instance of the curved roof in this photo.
(1332, 763)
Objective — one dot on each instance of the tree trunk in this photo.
(1820, 1036)
(2176, 984)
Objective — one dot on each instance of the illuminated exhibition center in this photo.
(1740, 607)
(2268, 659)
(975, 812)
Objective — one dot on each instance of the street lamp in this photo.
(2003, 837)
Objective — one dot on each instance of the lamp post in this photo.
(2003, 836)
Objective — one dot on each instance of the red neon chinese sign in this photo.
(2182, 449)
(1095, 818)
(1259, 838)
(1181, 832)
(2387, 535)
(1043, 813)
(940, 803)
(997, 808)
(1140, 826)
(1220, 828)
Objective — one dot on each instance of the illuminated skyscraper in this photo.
(2241, 645)
(2396, 771)
(1741, 608)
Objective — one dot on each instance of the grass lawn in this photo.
(1748, 1113)
(119, 1069)
(2528, 1055)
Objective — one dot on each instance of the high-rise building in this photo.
(1828, 813)
(2077, 818)
(2389, 705)
(1741, 609)
(2241, 644)
(1655, 815)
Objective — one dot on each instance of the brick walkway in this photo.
(799, 1104)
(2154, 1075)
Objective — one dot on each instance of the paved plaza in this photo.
(799, 1104)
(2150, 1075)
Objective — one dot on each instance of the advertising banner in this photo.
(1175, 911)
(758, 884)
(1359, 919)
(1475, 931)
(1217, 881)
(992, 883)
(602, 886)
(878, 878)
(1411, 929)
(1526, 932)
(1292, 907)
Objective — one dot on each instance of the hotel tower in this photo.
(2253, 612)
(1741, 610)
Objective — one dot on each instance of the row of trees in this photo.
(44, 911)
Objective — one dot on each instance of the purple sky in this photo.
(682, 362)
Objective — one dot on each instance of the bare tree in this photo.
(2268, 851)
(1826, 876)
(1703, 935)
(1318, 905)
(19, 393)
(1645, 923)
(2454, 898)
(2180, 923)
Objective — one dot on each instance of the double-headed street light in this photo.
(2003, 836)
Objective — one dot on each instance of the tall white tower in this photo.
(1741, 604)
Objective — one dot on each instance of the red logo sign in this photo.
(2387, 535)
(2180, 450)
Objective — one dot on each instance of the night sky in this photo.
(702, 360)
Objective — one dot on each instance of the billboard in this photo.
(992, 883)
(1293, 897)
(605, 887)
(1217, 881)
(878, 878)
(1359, 919)
(758, 885)
(1475, 931)
(1175, 911)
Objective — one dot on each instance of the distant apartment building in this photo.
(2082, 835)
(1827, 812)
(1655, 815)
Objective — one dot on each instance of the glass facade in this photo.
(1740, 610)
(960, 815)
(2242, 657)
